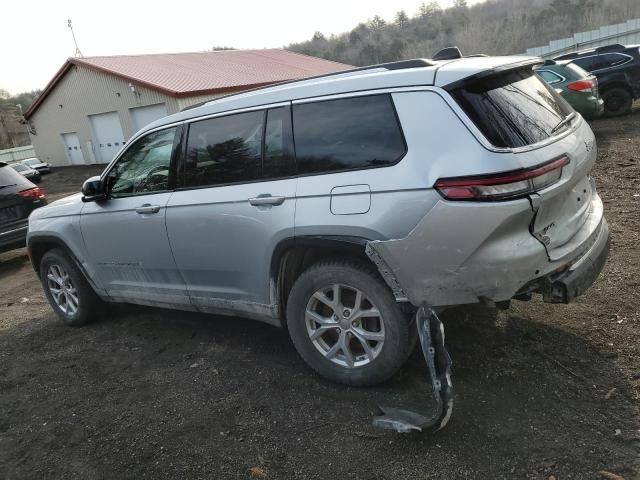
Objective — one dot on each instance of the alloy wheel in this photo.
(344, 325)
(62, 290)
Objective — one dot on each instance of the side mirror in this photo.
(93, 190)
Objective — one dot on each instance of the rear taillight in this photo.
(35, 193)
(502, 186)
(582, 86)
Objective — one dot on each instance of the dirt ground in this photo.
(542, 391)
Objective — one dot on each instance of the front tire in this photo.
(617, 101)
(66, 289)
(346, 325)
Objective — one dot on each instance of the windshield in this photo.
(19, 168)
(514, 109)
(32, 161)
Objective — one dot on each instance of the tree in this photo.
(402, 19)
(429, 10)
(376, 23)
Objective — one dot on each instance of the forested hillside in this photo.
(493, 27)
(12, 132)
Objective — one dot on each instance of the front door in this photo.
(234, 208)
(125, 234)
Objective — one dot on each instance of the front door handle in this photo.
(266, 199)
(147, 208)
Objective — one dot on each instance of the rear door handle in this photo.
(266, 199)
(146, 208)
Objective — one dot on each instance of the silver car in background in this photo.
(336, 206)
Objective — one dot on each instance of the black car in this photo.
(617, 68)
(18, 198)
(27, 172)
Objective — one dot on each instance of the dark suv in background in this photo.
(617, 68)
(18, 198)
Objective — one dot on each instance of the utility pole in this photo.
(78, 52)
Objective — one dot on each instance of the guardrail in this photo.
(627, 33)
(11, 155)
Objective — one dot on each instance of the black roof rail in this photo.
(548, 62)
(448, 53)
(614, 47)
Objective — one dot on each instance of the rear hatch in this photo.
(14, 209)
(531, 126)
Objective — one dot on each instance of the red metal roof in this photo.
(189, 74)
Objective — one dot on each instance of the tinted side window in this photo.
(612, 60)
(585, 62)
(278, 144)
(224, 150)
(144, 167)
(348, 133)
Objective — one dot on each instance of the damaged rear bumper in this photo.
(567, 285)
(485, 252)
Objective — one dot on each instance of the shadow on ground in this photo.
(147, 393)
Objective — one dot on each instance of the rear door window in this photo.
(586, 62)
(224, 150)
(513, 109)
(347, 134)
(278, 144)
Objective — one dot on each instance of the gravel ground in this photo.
(542, 391)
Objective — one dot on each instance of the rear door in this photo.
(236, 202)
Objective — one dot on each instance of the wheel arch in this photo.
(617, 83)
(294, 255)
(39, 245)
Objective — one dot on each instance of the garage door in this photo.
(142, 116)
(107, 135)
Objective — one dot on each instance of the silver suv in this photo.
(337, 206)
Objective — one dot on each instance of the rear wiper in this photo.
(564, 122)
(5, 186)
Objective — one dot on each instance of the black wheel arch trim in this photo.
(59, 243)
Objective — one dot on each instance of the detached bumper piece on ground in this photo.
(431, 333)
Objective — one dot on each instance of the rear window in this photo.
(514, 109)
(8, 176)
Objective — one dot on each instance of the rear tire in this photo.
(66, 289)
(617, 101)
(337, 306)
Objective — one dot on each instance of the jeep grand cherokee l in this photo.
(337, 206)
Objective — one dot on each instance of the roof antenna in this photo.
(78, 52)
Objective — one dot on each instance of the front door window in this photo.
(144, 167)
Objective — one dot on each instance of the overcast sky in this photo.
(35, 40)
